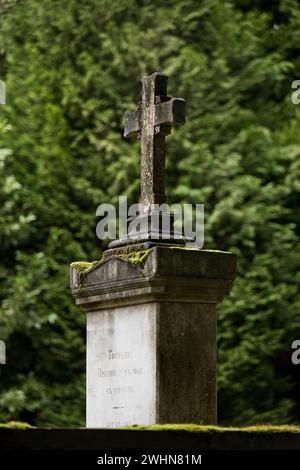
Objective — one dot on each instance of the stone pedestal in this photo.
(151, 335)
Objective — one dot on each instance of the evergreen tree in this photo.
(72, 70)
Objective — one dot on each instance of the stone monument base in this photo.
(151, 334)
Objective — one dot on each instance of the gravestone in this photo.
(151, 303)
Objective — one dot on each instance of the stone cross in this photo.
(152, 123)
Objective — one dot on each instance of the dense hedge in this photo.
(72, 69)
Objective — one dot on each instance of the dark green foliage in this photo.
(72, 69)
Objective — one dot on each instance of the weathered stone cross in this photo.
(152, 123)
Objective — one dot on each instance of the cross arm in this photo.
(170, 112)
(132, 124)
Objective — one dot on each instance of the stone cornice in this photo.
(168, 275)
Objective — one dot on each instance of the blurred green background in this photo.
(72, 68)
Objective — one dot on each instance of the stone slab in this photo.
(114, 439)
(121, 366)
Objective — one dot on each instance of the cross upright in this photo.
(152, 122)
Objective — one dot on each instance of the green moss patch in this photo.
(197, 428)
(189, 248)
(137, 258)
(16, 425)
(190, 428)
(82, 268)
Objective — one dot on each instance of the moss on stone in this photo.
(82, 268)
(16, 425)
(189, 248)
(208, 429)
(215, 251)
(186, 248)
(190, 428)
(135, 257)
